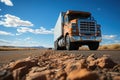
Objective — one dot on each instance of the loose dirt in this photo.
(44, 64)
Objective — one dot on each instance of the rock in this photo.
(103, 77)
(114, 73)
(62, 66)
(105, 62)
(116, 68)
(38, 69)
(83, 61)
(92, 65)
(26, 62)
(91, 61)
(6, 75)
(82, 74)
(61, 75)
(79, 56)
(68, 66)
(81, 64)
(91, 58)
(116, 78)
(20, 73)
(75, 65)
(38, 75)
(2, 72)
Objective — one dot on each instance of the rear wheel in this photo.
(93, 45)
(56, 47)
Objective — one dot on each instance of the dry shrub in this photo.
(103, 47)
(110, 47)
(114, 46)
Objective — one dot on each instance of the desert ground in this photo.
(48, 64)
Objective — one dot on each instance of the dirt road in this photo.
(7, 56)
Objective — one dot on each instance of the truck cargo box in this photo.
(58, 27)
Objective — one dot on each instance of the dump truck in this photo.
(76, 28)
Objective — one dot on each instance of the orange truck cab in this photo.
(76, 28)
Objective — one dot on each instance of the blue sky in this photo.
(31, 22)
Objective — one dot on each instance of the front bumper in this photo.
(85, 38)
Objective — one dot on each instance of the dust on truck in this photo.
(76, 28)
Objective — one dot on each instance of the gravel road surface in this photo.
(46, 64)
(7, 56)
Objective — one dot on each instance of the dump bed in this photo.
(58, 30)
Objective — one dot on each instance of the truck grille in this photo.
(87, 27)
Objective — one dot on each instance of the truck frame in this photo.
(76, 28)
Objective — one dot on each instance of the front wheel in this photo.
(93, 45)
(69, 45)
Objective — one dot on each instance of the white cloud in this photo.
(41, 30)
(26, 42)
(110, 39)
(24, 30)
(22, 42)
(18, 34)
(6, 33)
(109, 36)
(2, 41)
(7, 2)
(13, 21)
(27, 39)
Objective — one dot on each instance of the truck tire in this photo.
(56, 47)
(76, 47)
(93, 45)
(69, 45)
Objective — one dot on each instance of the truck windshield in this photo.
(71, 17)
